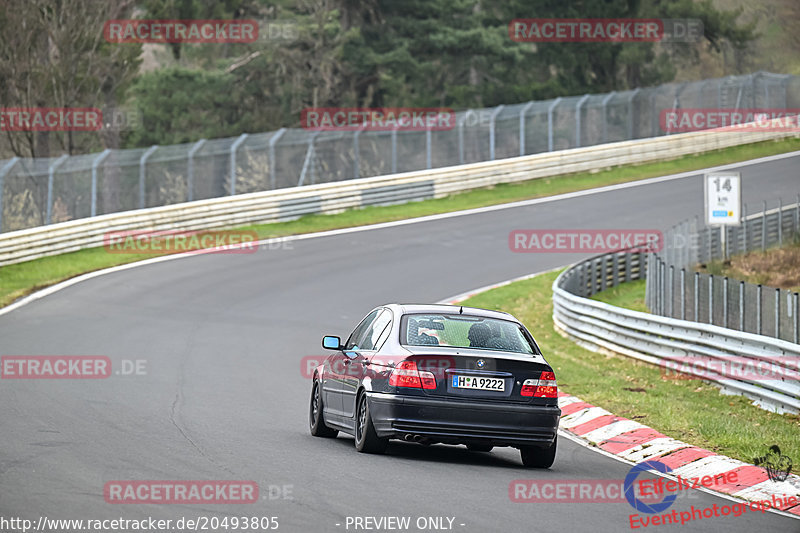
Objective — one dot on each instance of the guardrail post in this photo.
(50, 175)
(97, 160)
(725, 302)
(522, 127)
(143, 172)
(614, 269)
(590, 278)
(234, 147)
(741, 306)
(273, 164)
(758, 309)
(764, 227)
(190, 166)
(697, 297)
(628, 257)
(492, 134)
(683, 294)
(605, 114)
(711, 299)
(578, 120)
(550, 109)
(3, 171)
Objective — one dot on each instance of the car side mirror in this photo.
(331, 343)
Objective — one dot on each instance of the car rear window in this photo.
(464, 331)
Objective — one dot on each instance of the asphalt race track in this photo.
(223, 396)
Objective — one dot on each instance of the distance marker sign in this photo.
(723, 194)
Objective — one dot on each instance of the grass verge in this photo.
(692, 411)
(775, 267)
(21, 279)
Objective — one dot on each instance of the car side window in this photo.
(354, 341)
(375, 336)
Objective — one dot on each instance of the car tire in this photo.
(480, 447)
(316, 418)
(537, 457)
(367, 441)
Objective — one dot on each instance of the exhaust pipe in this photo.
(408, 437)
(417, 438)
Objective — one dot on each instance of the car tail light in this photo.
(547, 386)
(544, 387)
(405, 374)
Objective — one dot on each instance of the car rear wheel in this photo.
(316, 419)
(536, 457)
(480, 447)
(367, 441)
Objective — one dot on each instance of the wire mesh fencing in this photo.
(675, 289)
(36, 192)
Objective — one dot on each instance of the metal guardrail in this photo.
(35, 192)
(658, 340)
(284, 204)
(676, 290)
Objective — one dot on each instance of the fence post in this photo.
(234, 147)
(777, 313)
(461, 136)
(97, 160)
(711, 299)
(780, 222)
(744, 223)
(764, 227)
(143, 173)
(683, 294)
(741, 306)
(671, 301)
(630, 112)
(578, 120)
(758, 309)
(3, 171)
(428, 147)
(273, 164)
(605, 114)
(199, 144)
(492, 134)
(796, 318)
(696, 296)
(614, 269)
(725, 302)
(662, 272)
(522, 127)
(394, 149)
(50, 175)
(550, 109)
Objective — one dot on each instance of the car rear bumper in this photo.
(456, 422)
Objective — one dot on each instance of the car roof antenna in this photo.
(461, 310)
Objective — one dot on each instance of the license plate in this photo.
(479, 383)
